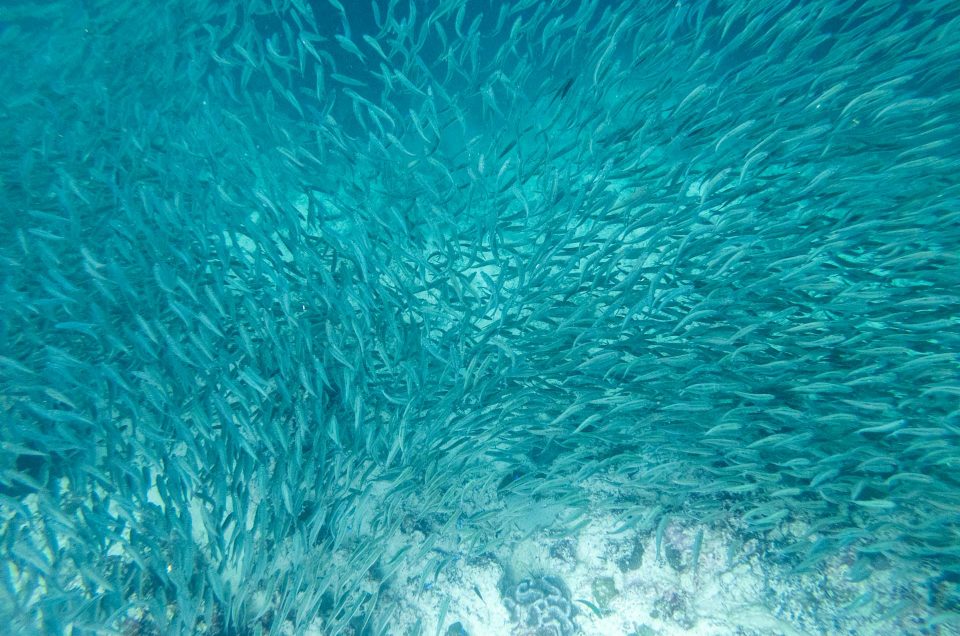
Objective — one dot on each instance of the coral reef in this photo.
(541, 606)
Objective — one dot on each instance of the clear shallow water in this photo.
(392, 318)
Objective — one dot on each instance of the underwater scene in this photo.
(480, 317)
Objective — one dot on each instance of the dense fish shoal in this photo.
(308, 304)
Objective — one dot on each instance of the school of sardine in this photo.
(281, 277)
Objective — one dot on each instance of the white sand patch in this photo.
(619, 586)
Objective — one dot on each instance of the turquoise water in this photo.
(308, 308)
